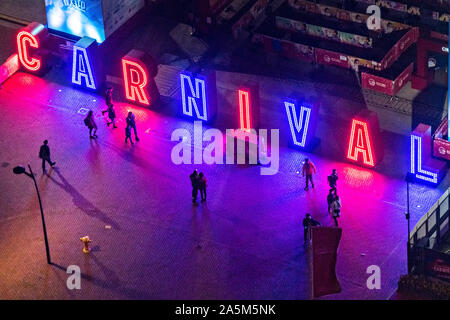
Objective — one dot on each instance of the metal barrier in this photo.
(427, 233)
(434, 223)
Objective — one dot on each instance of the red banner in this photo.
(405, 42)
(403, 78)
(325, 242)
(389, 58)
(441, 146)
(440, 36)
(437, 264)
(401, 46)
(376, 83)
(331, 58)
(441, 149)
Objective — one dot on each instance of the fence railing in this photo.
(433, 224)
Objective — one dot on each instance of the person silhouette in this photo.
(131, 121)
(90, 123)
(202, 185)
(195, 184)
(44, 154)
(308, 169)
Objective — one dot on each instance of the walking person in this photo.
(308, 169)
(131, 121)
(111, 115)
(202, 185)
(332, 179)
(195, 184)
(128, 134)
(308, 222)
(108, 98)
(90, 123)
(44, 154)
(336, 208)
(330, 198)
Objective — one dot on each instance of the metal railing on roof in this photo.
(434, 223)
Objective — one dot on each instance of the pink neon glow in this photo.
(244, 110)
(8, 68)
(135, 80)
(23, 38)
(362, 143)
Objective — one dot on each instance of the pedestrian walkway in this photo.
(149, 241)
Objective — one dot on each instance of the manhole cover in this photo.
(83, 111)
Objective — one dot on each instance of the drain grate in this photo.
(83, 111)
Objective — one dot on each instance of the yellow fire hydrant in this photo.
(86, 242)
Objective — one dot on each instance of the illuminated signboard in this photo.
(140, 86)
(244, 110)
(302, 118)
(360, 143)
(198, 95)
(80, 18)
(30, 46)
(248, 104)
(423, 167)
(85, 69)
(97, 19)
(364, 146)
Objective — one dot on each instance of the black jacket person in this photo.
(332, 179)
(308, 222)
(195, 184)
(131, 121)
(44, 154)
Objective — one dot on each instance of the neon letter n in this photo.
(193, 96)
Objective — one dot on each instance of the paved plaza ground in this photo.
(149, 241)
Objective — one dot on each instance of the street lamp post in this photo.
(407, 215)
(407, 212)
(20, 170)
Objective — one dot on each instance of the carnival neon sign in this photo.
(198, 101)
(360, 143)
(302, 119)
(82, 74)
(423, 166)
(135, 81)
(30, 42)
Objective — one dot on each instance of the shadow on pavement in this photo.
(113, 282)
(81, 202)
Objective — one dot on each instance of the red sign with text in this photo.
(376, 83)
(332, 58)
(403, 78)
